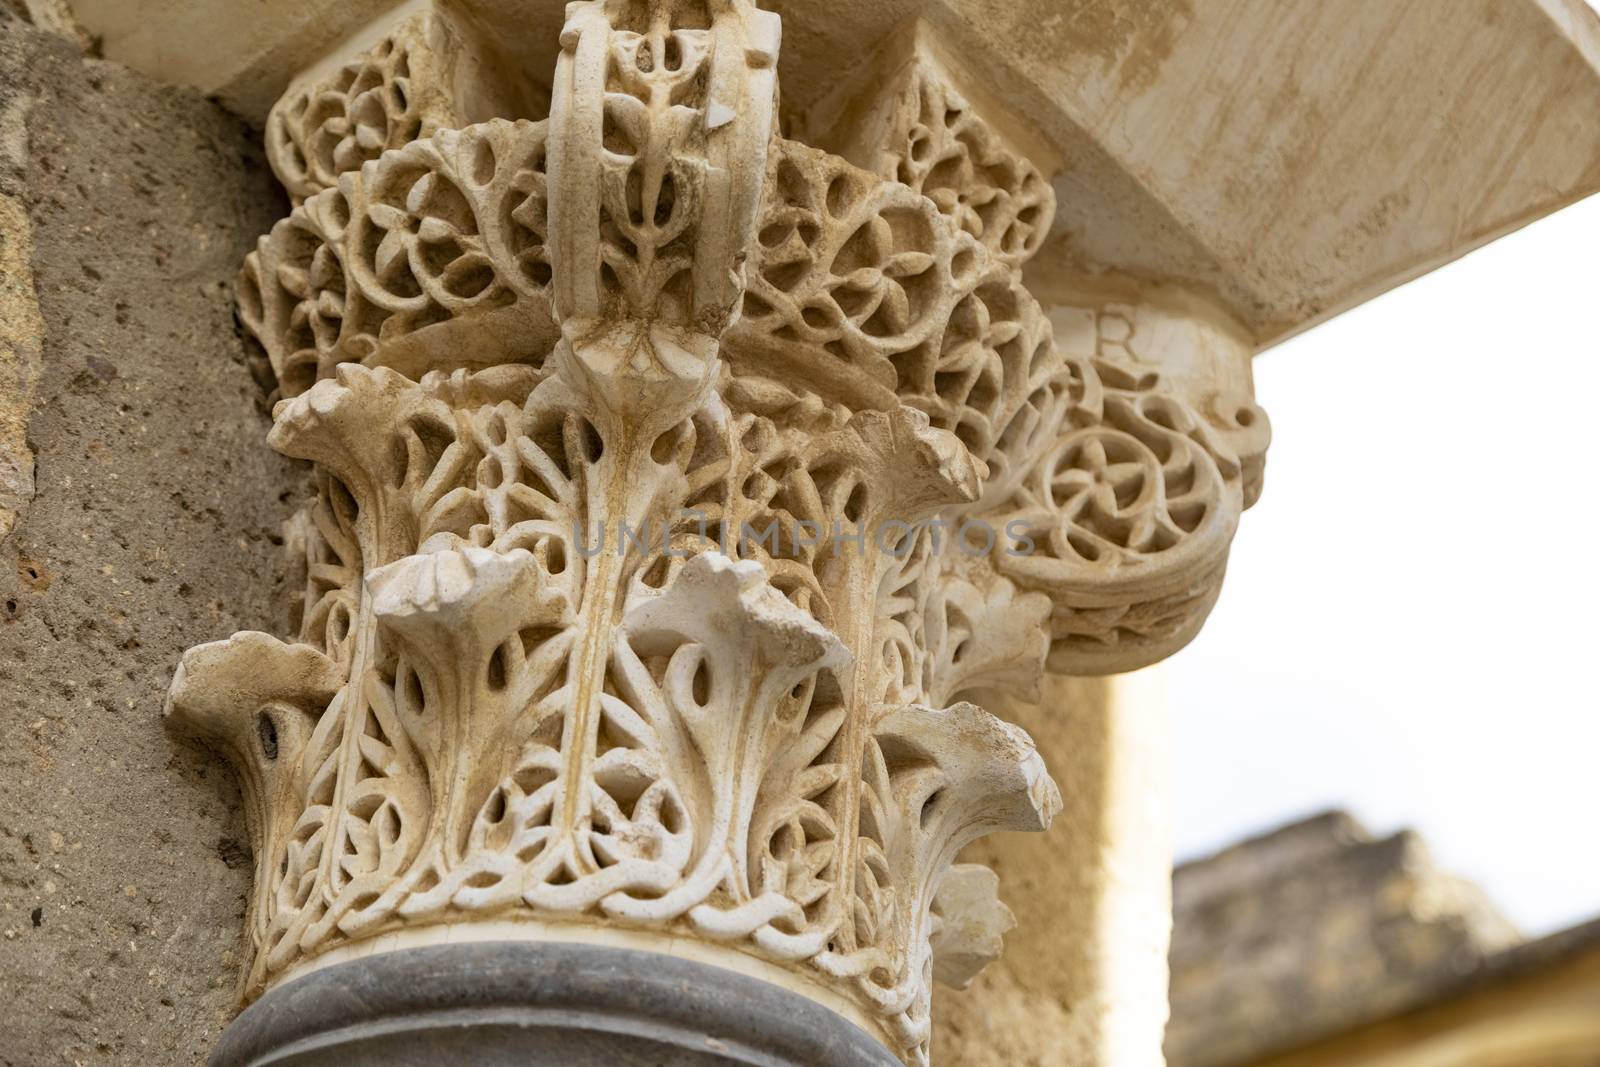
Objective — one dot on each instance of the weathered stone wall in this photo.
(125, 209)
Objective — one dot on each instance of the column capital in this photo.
(678, 483)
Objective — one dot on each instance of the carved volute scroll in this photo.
(676, 482)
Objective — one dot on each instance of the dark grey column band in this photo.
(528, 1004)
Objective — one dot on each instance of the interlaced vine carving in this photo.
(384, 98)
(447, 234)
(941, 146)
(639, 585)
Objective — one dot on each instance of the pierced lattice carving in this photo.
(911, 124)
(384, 98)
(448, 233)
(677, 483)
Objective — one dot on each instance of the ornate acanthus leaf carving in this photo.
(936, 780)
(676, 483)
(257, 699)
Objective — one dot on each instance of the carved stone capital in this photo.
(676, 483)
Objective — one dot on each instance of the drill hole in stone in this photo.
(267, 731)
(497, 669)
(702, 684)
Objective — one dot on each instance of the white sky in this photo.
(1410, 626)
